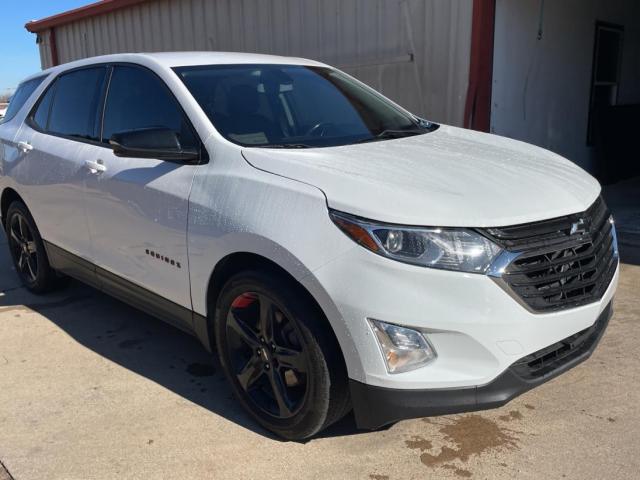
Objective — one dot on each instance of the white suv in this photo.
(336, 250)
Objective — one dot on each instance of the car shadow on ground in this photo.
(630, 254)
(148, 347)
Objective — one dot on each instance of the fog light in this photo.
(403, 348)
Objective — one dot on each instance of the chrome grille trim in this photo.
(559, 263)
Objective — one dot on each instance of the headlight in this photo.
(445, 248)
(403, 348)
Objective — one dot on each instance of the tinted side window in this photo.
(75, 104)
(41, 115)
(19, 98)
(139, 99)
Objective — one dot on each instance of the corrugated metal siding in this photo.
(44, 46)
(414, 51)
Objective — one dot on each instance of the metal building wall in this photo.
(44, 45)
(543, 97)
(414, 51)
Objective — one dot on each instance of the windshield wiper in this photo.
(400, 133)
(284, 145)
(388, 134)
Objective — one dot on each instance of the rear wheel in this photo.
(284, 368)
(27, 250)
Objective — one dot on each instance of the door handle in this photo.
(95, 167)
(25, 146)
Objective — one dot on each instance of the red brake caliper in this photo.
(244, 300)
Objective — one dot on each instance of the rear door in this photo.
(137, 208)
(52, 174)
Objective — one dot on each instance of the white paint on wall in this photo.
(541, 87)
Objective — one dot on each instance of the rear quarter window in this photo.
(41, 115)
(23, 92)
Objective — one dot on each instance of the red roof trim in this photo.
(91, 10)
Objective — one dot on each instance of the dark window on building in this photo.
(75, 111)
(605, 80)
(21, 96)
(139, 99)
(41, 116)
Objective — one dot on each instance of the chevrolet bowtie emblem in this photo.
(578, 227)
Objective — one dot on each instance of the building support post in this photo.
(53, 46)
(477, 112)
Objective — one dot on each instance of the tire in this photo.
(27, 250)
(298, 355)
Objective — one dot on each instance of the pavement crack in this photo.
(4, 473)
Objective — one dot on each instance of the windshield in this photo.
(294, 106)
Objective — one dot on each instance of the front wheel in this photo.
(284, 367)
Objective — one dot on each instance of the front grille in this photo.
(549, 359)
(564, 262)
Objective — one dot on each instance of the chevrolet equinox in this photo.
(335, 250)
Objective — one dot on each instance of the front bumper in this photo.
(477, 329)
(377, 406)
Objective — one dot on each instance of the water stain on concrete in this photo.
(117, 329)
(460, 472)
(599, 417)
(128, 344)
(200, 370)
(513, 415)
(469, 435)
(419, 443)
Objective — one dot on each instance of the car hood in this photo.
(450, 177)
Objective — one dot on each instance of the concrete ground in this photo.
(93, 389)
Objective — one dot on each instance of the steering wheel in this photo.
(319, 129)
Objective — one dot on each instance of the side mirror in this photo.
(160, 143)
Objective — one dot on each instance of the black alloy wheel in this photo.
(27, 251)
(23, 248)
(266, 355)
(279, 354)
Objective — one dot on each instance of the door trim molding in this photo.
(128, 292)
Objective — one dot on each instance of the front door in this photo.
(137, 208)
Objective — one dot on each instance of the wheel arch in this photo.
(238, 262)
(9, 195)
